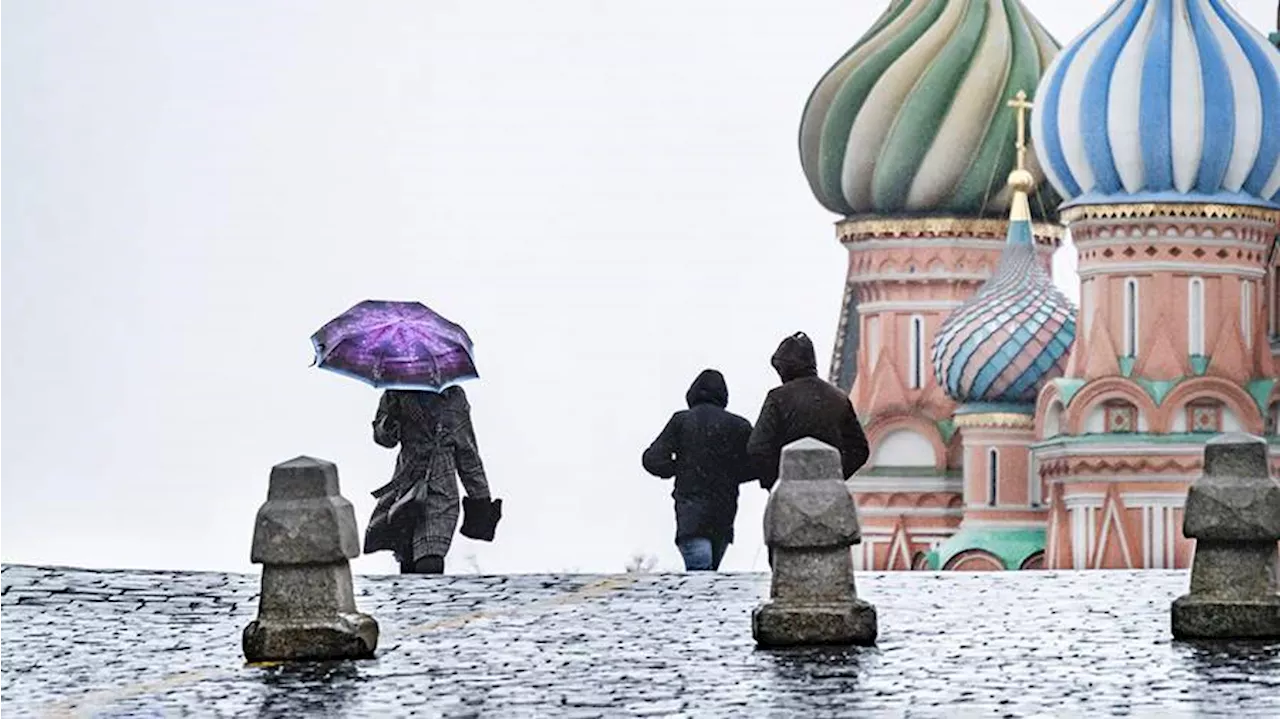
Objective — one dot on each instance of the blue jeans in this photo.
(702, 554)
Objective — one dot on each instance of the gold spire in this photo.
(1021, 180)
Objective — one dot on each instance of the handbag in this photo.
(480, 518)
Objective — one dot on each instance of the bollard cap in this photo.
(304, 520)
(303, 478)
(1236, 499)
(1236, 454)
(809, 459)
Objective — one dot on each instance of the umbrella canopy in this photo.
(396, 345)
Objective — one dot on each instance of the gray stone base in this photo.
(343, 636)
(1195, 618)
(787, 625)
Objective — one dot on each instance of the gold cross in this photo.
(1021, 106)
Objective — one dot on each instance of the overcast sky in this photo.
(606, 194)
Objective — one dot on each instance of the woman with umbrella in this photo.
(418, 358)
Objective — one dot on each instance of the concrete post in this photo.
(1233, 513)
(810, 523)
(304, 536)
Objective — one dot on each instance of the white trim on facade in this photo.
(976, 523)
(910, 512)
(908, 306)
(1115, 268)
(867, 485)
(866, 277)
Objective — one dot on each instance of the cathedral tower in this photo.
(908, 137)
(1160, 125)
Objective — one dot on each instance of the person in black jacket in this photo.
(804, 406)
(705, 449)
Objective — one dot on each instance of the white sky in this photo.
(607, 194)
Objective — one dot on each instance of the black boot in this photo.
(429, 564)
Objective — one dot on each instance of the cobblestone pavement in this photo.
(98, 643)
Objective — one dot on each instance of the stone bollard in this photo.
(304, 536)
(1233, 513)
(810, 523)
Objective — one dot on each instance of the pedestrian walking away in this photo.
(704, 448)
(417, 511)
(805, 405)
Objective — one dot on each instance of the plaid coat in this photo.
(436, 442)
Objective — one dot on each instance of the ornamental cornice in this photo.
(1001, 420)
(1072, 466)
(1161, 209)
(920, 227)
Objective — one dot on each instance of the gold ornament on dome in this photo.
(941, 226)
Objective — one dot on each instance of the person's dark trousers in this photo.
(426, 565)
(701, 553)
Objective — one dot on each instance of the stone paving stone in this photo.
(1015, 644)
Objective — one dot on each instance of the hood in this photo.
(794, 358)
(708, 388)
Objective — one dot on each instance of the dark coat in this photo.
(804, 406)
(436, 442)
(705, 449)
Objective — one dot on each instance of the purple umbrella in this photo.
(396, 345)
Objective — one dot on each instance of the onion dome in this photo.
(1013, 335)
(1163, 100)
(906, 121)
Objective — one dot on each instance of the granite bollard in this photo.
(1233, 513)
(304, 537)
(810, 523)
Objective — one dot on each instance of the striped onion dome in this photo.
(1013, 335)
(908, 121)
(1163, 100)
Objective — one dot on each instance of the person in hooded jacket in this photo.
(805, 405)
(705, 449)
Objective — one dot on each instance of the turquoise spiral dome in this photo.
(1005, 342)
(912, 120)
(1163, 100)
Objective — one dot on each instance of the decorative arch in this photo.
(881, 426)
(1050, 400)
(974, 560)
(1228, 393)
(1035, 561)
(1109, 388)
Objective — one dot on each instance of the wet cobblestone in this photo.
(116, 644)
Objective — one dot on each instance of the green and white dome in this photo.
(914, 118)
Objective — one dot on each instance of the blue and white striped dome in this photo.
(1163, 100)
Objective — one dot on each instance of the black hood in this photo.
(794, 358)
(708, 388)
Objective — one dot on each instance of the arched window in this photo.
(1246, 312)
(873, 341)
(1195, 317)
(1131, 317)
(916, 351)
(993, 475)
